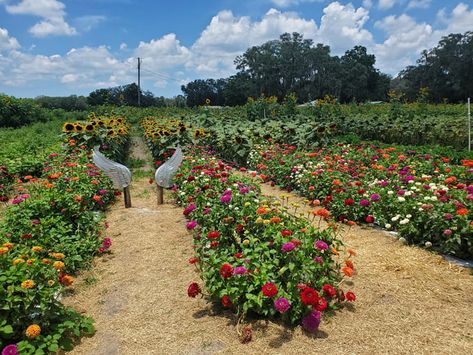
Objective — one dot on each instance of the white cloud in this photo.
(419, 4)
(52, 14)
(7, 42)
(342, 27)
(123, 46)
(69, 78)
(386, 4)
(228, 36)
(88, 22)
(367, 4)
(164, 52)
(460, 20)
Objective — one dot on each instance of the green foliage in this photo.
(19, 112)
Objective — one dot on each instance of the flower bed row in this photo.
(252, 256)
(51, 229)
(423, 197)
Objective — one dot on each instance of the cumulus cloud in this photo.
(342, 27)
(228, 36)
(386, 4)
(7, 42)
(52, 13)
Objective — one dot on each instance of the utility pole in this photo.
(469, 126)
(139, 86)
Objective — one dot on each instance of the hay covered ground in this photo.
(408, 300)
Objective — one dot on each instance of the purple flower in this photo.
(244, 190)
(102, 191)
(287, 247)
(282, 305)
(10, 350)
(311, 322)
(318, 259)
(239, 270)
(191, 225)
(321, 245)
(375, 197)
(364, 203)
(401, 192)
(206, 211)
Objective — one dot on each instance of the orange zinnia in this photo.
(462, 211)
(348, 271)
(261, 210)
(349, 264)
(351, 252)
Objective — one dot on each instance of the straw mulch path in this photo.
(409, 301)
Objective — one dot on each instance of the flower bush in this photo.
(252, 255)
(423, 197)
(51, 228)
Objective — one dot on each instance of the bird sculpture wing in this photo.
(120, 174)
(166, 172)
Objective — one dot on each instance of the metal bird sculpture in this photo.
(118, 173)
(166, 172)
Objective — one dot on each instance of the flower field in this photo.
(423, 197)
(51, 228)
(252, 255)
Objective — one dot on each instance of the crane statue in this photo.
(118, 173)
(166, 172)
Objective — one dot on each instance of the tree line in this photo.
(294, 65)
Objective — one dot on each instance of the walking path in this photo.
(409, 300)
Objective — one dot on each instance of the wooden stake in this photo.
(160, 195)
(126, 193)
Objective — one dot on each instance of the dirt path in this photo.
(409, 301)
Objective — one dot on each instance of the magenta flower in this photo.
(10, 350)
(311, 322)
(375, 197)
(318, 259)
(447, 232)
(191, 225)
(226, 197)
(189, 209)
(364, 203)
(244, 190)
(206, 211)
(287, 247)
(282, 305)
(240, 270)
(321, 245)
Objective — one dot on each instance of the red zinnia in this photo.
(193, 290)
(369, 219)
(350, 296)
(349, 202)
(226, 301)
(321, 305)
(213, 235)
(329, 291)
(269, 289)
(226, 271)
(193, 260)
(286, 233)
(309, 296)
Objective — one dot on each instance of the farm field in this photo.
(266, 241)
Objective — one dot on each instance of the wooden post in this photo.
(126, 193)
(160, 195)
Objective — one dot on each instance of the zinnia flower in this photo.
(240, 270)
(350, 296)
(321, 245)
(329, 291)
(191, 225)
(10, 350)
(269, 289)
(193, 290)
(282, 305)
(311, 322)
(364, 203)
(213, 235)
(309, 296)
(287, 247)
(226, 301)
(226, 271)
(375, 197)
(33, 331)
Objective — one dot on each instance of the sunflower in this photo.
(111, 132)
(68, 127)
(78, 127)
(89, 127)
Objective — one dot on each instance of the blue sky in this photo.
(52, 47)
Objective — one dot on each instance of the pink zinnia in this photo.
(282, 305)
(321, 245)
(364, 203)
(10, 350)
(240, 270)
(191, 225)
(226, 197)
(287, 247)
